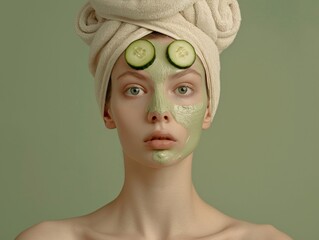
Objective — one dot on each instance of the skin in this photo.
(158, 199)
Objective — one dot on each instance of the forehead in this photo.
(161, 65)
(159, 38)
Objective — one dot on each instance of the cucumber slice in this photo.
(181, 54)
(140, 54)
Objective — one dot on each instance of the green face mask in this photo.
(190, 116)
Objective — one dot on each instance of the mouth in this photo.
(160, 141)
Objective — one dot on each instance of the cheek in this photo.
(189, 116)
(127, 129)
(128, 117)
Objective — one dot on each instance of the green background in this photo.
(258, 162)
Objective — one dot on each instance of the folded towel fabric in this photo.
(109, 26)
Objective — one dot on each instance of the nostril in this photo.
(155, 116)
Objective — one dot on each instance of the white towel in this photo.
(109, 26)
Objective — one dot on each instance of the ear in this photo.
(108, 119)
(207, 119)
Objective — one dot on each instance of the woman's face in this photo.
(159, 112)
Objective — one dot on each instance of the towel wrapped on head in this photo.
(109, 26)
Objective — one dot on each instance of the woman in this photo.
(159, 108)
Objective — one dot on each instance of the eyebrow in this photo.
(133, 73)
(174, 76)
(185, 72)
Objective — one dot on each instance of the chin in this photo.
(165, 158)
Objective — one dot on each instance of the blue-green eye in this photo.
(134, 91)
(183, 90)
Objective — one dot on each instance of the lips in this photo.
(160, 140)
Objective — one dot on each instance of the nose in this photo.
(158, 110)
(156, 116)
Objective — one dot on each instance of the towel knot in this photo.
(140, 9)
(219, 19)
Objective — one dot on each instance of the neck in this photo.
(158, 200)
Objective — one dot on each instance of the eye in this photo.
(134, 91)
(183, 90)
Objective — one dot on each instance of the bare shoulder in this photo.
(249, 231)
(49, 230)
